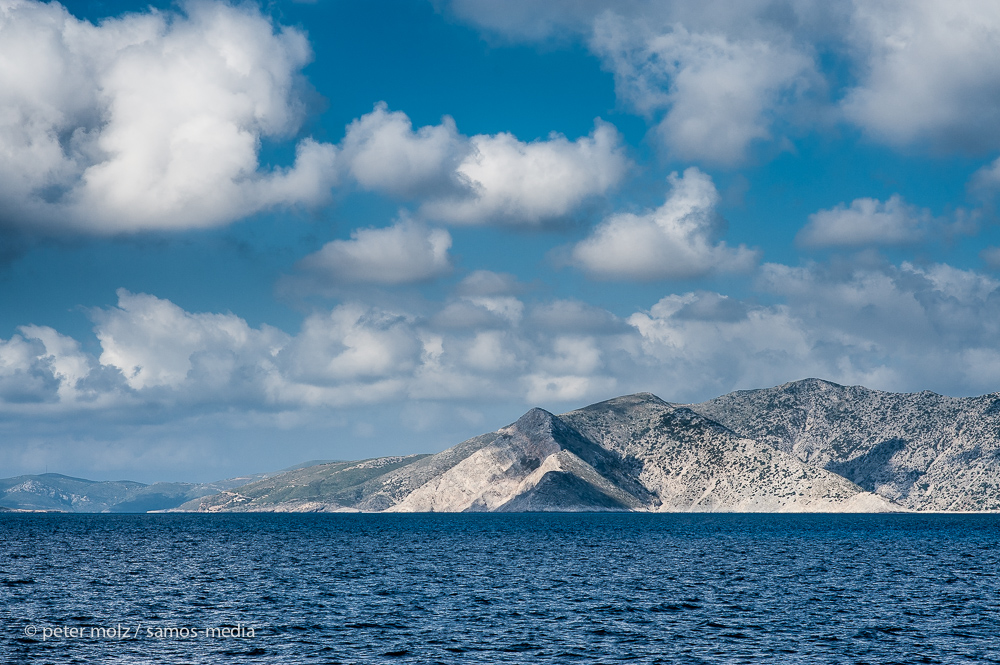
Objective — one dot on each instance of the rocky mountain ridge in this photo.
(806, 446)
(632, 453)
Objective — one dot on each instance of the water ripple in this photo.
(500, 588)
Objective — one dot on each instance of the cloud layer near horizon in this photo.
(891, 326)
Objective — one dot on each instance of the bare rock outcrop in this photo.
(922, 450)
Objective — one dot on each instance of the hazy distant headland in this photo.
(806, 446)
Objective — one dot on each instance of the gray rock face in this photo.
(921, 450)
(692, 463)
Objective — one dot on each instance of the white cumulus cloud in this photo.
(714, 77)
(895, 327)
(151, 120)
(26, 373)
(901, 328)
(403, 253)
(509, 181)
(382, 151)
(928, 72)
(482, 179)
(155, 343)
(677, 240)
(866, 222)
(717, 93)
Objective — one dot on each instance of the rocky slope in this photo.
(327, 487)
(921, 450)
(692, 463)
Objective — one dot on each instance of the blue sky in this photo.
(234, 237)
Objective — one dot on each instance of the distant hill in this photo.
(56, 492)
(806, 446)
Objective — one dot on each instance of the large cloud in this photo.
(156, 344)
(715, 95)
(932, 326)
(149, 121)
(382, 152)
(155, 353)
(45, 372)
(928, 72)
(166, 355)
(26, 373)
(715, 77)
(677, 240)
(889, 327)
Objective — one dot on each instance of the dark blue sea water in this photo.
(532, 588)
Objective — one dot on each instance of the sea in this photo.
(499, 588)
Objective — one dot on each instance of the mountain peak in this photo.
(627, 402)
(811, 384)
(534, 418)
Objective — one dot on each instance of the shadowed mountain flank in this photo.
(532, 461)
